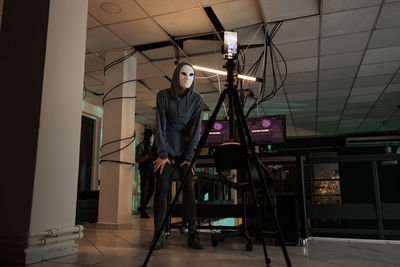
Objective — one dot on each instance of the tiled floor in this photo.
(129, 248)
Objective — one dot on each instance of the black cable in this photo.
(115, 87)
(133, 137)
(269, 45)
(120, 97)
(112, 64)
(119, 140)
(117, 161)
(117, 150)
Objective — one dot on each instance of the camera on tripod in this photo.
(229, 48)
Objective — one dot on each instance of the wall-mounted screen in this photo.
(270, 130)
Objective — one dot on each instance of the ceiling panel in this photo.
(251, 56)
(378, 69)
(393, 88)
(160, 53)
(166, 66)
(250, 35)
(340, 60)
(288, 9)
(382, 55)
(132, 32)
(202, 46)
(390, 99)
(356, 20)
(209, 60)
(300, 65)
(337, 100)
(359, 112)
(397, 78)
(372, 80)
(93, 63)
(351, 123)
(303, 77)
(344, 43)
(99, 89)
(98, 75)
(92, 22)
(328, 118)
(303, 96)
(356, 106)
(298, 30)
(147, 70)
(190, 21)
(342, 84)
(157, 83)
(118, 10)
(212, 2)
(246, 12)
(297, 50)
(385, 38)
(337, 74)
(358, 91)
(99, 39)
(330, 107)
(140, 58)
(363, 98)
(301, 87)
(329, 6)
(327, 113)
(389, 16)
(157, 7)
(89, 80)
(331, 94)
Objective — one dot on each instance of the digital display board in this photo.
(264, 130)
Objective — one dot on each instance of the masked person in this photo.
(144, 156)
(178, 121)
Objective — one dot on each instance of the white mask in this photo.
(186, 76)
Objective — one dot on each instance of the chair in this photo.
(229, 156)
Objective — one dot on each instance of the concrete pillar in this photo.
(115, 203)
(42, 51)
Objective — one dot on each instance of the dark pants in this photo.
(163, 185)
(146, 186)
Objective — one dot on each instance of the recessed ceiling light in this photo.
(111, 8)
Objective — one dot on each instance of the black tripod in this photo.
(248, 149)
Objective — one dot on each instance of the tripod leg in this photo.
(244, 145)
(245, 129)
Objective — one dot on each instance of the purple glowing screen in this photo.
(264, 130)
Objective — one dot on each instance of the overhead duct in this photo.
(373, 141)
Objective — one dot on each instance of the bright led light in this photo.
(209, 70)
(240, 76)
(244, 77)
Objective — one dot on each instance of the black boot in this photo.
(143, 213)
(193, 238)
(160, 241)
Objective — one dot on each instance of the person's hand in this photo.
(159, 164)
(185, 162)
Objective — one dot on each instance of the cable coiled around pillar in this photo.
(106, 100)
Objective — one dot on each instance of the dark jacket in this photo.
(178, 120)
